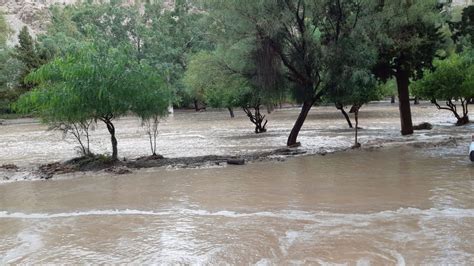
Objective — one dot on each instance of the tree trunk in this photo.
(463, 121)
(356, 116)
(111, 128)
(299, 123)
(348, 119)
(416, 101)
(257, 119)
(231, 112)
(196, 105)
(403, 82)
(270, 108)
(392, 99)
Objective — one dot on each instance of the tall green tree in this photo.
(27, 53)
(463, 30)
(224, 85)
(298, 35)
(452, 83)
(165, 38)
(174, 36)
(98, 83)
(408, 37)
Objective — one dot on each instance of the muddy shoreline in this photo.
(102, 164)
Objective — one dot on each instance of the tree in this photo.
(298, 34)
(463, 30)
(164, 38)
(62, 35)
(98, 83)
(173, 37)
(349, 57)
(9, 68)
(348, 77)
(224, 85)
(27, 53)
(408, 36)
(152, 105)
(452, 79)
(207, 78)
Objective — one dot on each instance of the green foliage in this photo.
(453, 78)
(97, 83)
(301, 42)
(208, 77)
(164, 38)
(28, 54)
(221, 85)
(463, 30)
(387, 89)
(408, 36)
(173, 37)
(62, 34)
(348, 58)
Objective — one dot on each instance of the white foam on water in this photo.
(20, 215)
(30, 242)
(363, 262)
(399, 257)
(264, 262)
(346, 218)
(288, 240)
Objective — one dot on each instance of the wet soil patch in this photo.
(103, 163)
(99, 163)
(9, 167)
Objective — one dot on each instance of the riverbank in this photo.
(207, 139)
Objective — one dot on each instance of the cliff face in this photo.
(35, 13)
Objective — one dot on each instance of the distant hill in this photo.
(35, 13)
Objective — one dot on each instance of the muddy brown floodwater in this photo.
(398, 205)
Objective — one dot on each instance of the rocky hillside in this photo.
(35, 13)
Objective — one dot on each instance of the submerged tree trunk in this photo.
(196, 105)
(344, 113)
(356, 142)
(231, 112)
(151, 129)
(110, 127)
(270, 108)
(403, 82)
(257, 119)
(463, 118)
(80, 131)
(355, 110)
(292, 138)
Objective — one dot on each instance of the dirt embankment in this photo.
(98, 163)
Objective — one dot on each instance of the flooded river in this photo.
(399, 205)
(26, 142)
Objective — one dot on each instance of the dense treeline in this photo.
(100, 62)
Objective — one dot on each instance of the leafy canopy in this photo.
(95, 82)
(453, 78)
